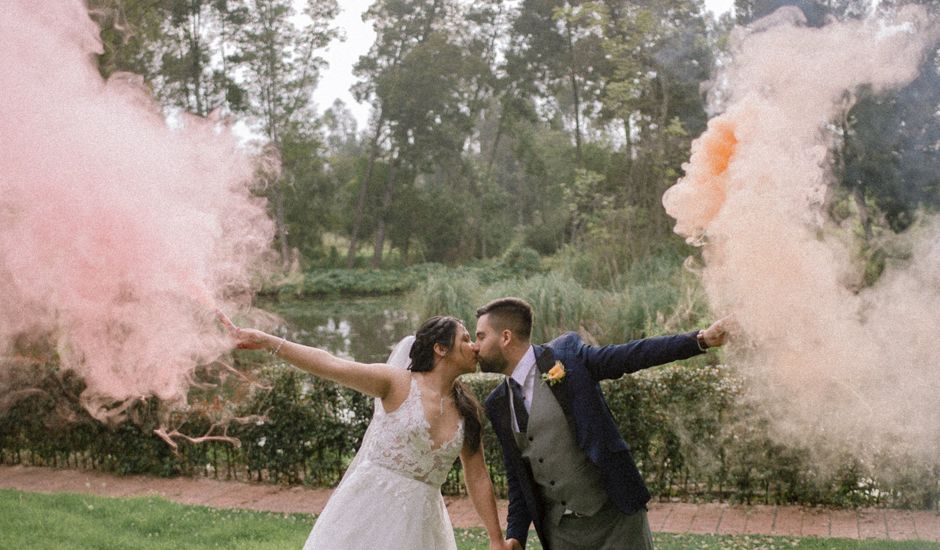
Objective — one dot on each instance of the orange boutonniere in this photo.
(555, 374)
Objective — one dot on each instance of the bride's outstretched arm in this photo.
(480, 488)
(375, 379)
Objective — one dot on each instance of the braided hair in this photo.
(443, 330)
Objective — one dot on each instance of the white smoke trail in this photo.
(829, 363)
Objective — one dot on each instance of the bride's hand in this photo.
(246, 338)
(510, 544)
(249, 338)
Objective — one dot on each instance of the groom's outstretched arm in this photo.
(614, 361)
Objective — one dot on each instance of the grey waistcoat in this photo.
(567, 478)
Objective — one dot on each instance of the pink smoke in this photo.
(118, 234)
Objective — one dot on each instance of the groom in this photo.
(569, 470)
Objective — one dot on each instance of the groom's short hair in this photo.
(512, 313)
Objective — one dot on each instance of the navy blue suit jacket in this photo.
(588, 417)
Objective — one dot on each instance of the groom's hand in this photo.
(717, 334)
(513, 544)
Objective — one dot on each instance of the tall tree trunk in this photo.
(359, 214)
(195, 52)
(429, 22)
(281, 223)
(662, 227)
(628, 142)
(499, 134)
(383, 213)
(573, 77)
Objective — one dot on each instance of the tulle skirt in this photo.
(377, 508)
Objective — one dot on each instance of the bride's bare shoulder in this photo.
(400, 387)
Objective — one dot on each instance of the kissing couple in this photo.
(570, 473)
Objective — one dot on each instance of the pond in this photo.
(364, 329)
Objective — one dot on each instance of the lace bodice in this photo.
(401, 441)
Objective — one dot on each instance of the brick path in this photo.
(664, 517)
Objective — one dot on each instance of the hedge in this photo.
(690, 431)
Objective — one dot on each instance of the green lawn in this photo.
(70, 521)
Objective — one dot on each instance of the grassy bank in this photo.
(71, 521)
(654, 299)
(347, 282)
(651, 296)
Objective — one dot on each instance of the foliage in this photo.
(691, 431)
(444, 294)
(171, 45)
(521, 260)
(376, 282)
(53, 425)
(255, 59)
(651, 297)
(281, 67)
(309, 430)
(546, 123)
(350, 282)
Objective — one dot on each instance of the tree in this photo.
(890, 154)
(130, 32)
(189, 77)
(398, 24)
(886, 159)
(310, 187)
(556, 48)
(428, 78)
(179, 47)
(281, 67)
(816, 11)
(659, 53)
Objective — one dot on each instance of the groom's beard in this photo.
(496, 364)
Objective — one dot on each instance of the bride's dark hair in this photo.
(443, 330)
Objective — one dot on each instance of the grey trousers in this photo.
(608, 529)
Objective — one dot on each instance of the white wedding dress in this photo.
(390, 497)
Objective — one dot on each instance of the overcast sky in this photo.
(341, 56)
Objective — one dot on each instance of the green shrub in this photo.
(521, 260)
(692, 432)
(307, 430)
(349, 282)
(545, 238)
(448, 294)
(559, 304)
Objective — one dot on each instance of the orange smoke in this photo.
(719, 144)
(698, 197)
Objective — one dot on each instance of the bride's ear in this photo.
(440, 350)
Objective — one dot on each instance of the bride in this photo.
(390, 496)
